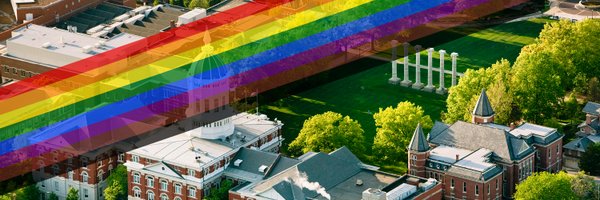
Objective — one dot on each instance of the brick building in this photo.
(483, 160)
(187, 165)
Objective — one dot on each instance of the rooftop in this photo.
(478, 160)
(28, 41)
(527, 129)
(448, 154)
(592, 108)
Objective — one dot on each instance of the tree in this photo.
(155, 3)
(593, 90)
(199, 4)
(589, 160)
(395, 126)
(117, 184)
(73, 194)
(583, 185)
(327, 132)
(544, 185)
(30, 192)
(536, 84)
(462, 97)
(222, 193)
(52, 196)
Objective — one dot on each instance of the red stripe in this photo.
(137, 47)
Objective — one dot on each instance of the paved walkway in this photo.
(570, 10)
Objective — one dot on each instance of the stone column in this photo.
(442, 89)
(429, 87)
(394, 79)
(418, 85)
(454, 55)
(406, 82)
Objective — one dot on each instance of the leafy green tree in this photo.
(593, 90)
(199, 4)
(155, 3)
(536, 84)
(589, 160)
(544, 185)
(30, 192)
(73, 194)
(222, 193)
(395, 126)
(583, 185)
(462, 97)
(117, 184)
(5, 197)
(327, 132)
(52, 196)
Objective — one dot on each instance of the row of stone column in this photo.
(417, 84)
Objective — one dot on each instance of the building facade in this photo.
(483, 160)
(587, 136)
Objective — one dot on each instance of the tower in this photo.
(209, 73)
(418, 151)
(483, 112)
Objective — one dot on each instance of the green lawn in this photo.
(362, 94)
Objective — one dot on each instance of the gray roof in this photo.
(473, 136)
(281, 165)
(344, 153)
(483, 106)
(475, 175)
(253, 159)
(288, 190)
(592, 108)
(418, 142)
(581, 144)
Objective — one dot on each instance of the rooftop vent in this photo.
(238, 162)
(359, 182)
(87, 49)
(262, 169)
(198, 159)
(46, 45)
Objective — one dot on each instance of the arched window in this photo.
(150, 181)
(177, 188)
(69, 173)
(150, 195)
(100, 175)
(137, 192)
(84, 177)
(192, 192)
(164, 197)
(163, 185)
(136, 177)
(177, 198)
(55, 169)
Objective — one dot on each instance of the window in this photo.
(56, 185)
(100, 175)
(14, 70)
(477, 190)
(84, 177)
(85, 193)
(84, 163)
(177, 189)
(488, 189)
(549, 154)
(150, 182)
(163, 185)
(100, 162)
(557, 150)
(136, 178)
(70, 174)
(23, 73)
(191, 172)
(464, 187)
(164, 197)
(55, 169)
(135, 158)
(192, 192)
(177, 198)
(496, 184)
(137, 192)
(6, 69)
(452, 183)
(150, 195)
(120, 157)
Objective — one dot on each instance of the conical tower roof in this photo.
(483, 108)
(418, 142)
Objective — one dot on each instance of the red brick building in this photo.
(483, 160)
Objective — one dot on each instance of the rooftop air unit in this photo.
(262, 169)
(46, 45)
(238, 162)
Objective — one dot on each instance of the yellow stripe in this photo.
(176, 61)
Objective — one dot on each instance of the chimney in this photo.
(172, 24)
(457, 157)
(512, 126)
(588, 118)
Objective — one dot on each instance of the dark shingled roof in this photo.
(592, 108)
(581, 144)
(253, 159)
(473, 136)
(483, 107)
(344, 153)
(289, 191)
(418, 142)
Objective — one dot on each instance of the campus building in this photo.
(483, 160)
(188, 165)
(587, 136)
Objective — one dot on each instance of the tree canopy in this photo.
(395, 126)
(117, 184)
(30, 192)
(589, 160)
(544, 185)
(73, 194)
(327, 132)
(462, 97)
